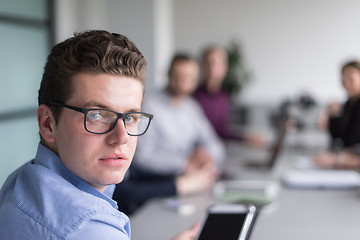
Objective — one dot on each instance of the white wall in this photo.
(147, 23)
(289, 45)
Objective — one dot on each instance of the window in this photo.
(26, 37)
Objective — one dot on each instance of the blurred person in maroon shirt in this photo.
(215, 101)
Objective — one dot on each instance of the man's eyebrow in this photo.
(135, 110)
(94, 104)
(99, 105)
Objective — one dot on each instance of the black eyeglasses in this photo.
(101, 121)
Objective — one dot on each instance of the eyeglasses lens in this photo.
(101, 121)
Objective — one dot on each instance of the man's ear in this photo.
(46, 123)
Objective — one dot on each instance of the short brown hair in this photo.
(213, 48)
(179, 57)
(93, 52)
(354, 64)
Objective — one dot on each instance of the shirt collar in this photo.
(51, 160)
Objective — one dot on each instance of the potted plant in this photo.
(237, 77)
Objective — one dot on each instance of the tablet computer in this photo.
(227, 221)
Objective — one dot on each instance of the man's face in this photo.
(351, 81)
(98, 159)
(184, 78)
(215, 66)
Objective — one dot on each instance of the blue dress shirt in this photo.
(44, 200)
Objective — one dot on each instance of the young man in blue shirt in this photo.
(89, 117)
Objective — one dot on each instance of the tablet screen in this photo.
(223, 226)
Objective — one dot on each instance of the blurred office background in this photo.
(289, 46)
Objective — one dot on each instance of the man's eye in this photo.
(94, 116)
(130, 118)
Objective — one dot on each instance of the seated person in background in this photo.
(215, 101)
(181, 153)
(343, 123)
(91, 86)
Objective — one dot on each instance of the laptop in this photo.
(271, 156)
(255, 184)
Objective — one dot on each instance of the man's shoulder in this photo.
(53, 205)
(193, 105)
(156, 102)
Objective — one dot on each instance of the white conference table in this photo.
(295, 214)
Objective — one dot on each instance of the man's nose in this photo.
(119, 135)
